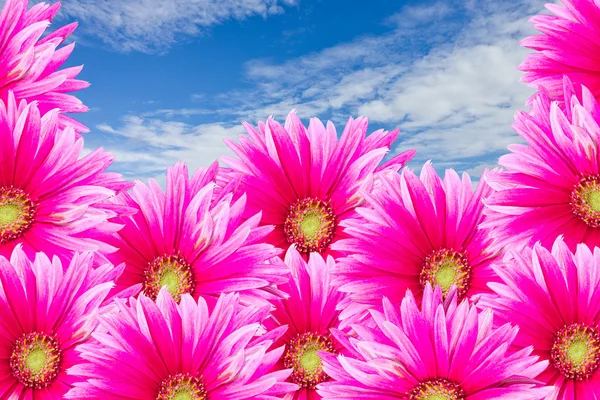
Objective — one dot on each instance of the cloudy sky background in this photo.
(171, 79)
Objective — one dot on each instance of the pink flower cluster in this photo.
(308, 267)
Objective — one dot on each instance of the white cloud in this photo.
(148, 145)
(411, 16)
(451, 87)
(446, 83)
(478, 169)
(153, 25)
(455, 100)
(459, 103)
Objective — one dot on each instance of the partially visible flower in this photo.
(415, 231)
(47, 310)
(193, 239)
(553, 297)
(30, 63)
(309, 313)
(569, 45)
(551, 186)
(52, 199)
(306, 182)
(442, 350)
(165, 351)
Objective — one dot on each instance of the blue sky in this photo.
(171, 79)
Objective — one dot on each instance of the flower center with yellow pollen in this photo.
(182, 387)
(437, 389)
(36, 360)
(170, 271)
(310, 224)
(576, 351)
(446, 268)
(585, 200)
(301, 355)
(16, 213)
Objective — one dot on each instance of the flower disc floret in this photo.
(36, 360)
(310, 224)
(446, 268)
(585, 200)
(171, 271)
(16, 213)
(576, 351)
(437, 389)
(182, 387)
(301, 355)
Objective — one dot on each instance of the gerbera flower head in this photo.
(441, 350)
(552, 296)
(551, 185)
(167, 351)
(309, 312)
(306, 181)
(47, 310)
(568, 45)
(52, 200)
(413, 231)
(193, 240)
(30, 64)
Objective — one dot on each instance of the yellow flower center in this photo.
(310, 361)
(445, 268)
(576, 351)
(446, 275)
(182, 387)
(8, 214)
(310, 224)
(585, 200)
(593, 199)
(36, 360)
(301, 355)
(437, 389)
(16, 213)
(172, 272)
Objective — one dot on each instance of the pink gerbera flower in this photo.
(52, 200)
(309, 312)
(29, 64)
(551, 186)
(416, 231)
(191, 240)
(440, 351)
(569, 45)
(306, 181)
(169, 351)
(553, 297)
(46, 313)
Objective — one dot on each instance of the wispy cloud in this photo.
(453, 99)
(451, 87)
(148, 145)
(151, 26)
(411, 15)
